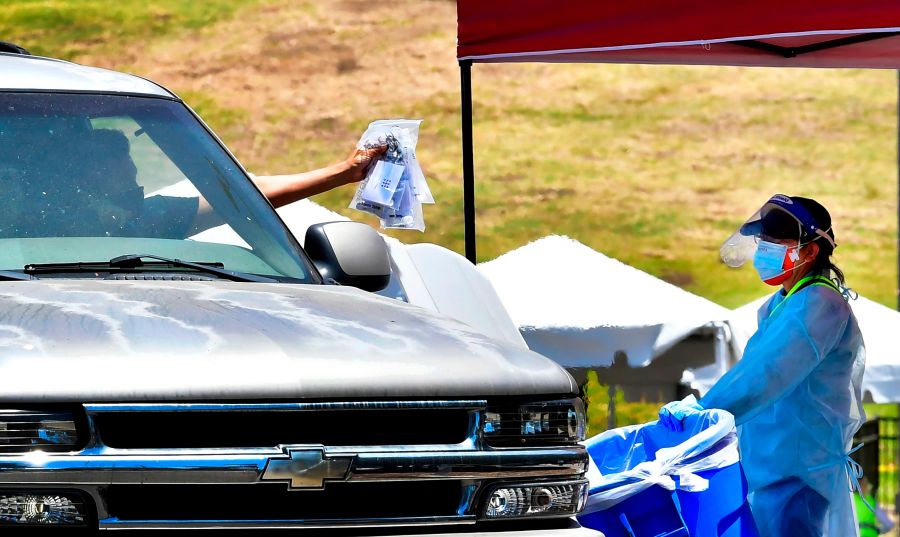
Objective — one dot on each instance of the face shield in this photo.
(780, 221)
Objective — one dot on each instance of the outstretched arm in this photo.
(284, 189)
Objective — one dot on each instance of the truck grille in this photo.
(273, 502)
(264, 428)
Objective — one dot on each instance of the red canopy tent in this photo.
(773, 33)
(804, 33)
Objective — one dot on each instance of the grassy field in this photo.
(68, 29)
(652, 165)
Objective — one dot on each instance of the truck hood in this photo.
(98, 340)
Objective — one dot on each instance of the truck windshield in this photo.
(91, 177)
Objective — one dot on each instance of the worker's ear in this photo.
(812, 251)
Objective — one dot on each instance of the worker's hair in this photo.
(823, 263)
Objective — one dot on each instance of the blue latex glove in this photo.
(672, 414)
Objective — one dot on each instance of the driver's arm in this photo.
(284, 189)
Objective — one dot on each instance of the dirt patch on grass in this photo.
(544, 194)
(679, 278)
(296, 67)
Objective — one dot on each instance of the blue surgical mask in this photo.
(769, 259)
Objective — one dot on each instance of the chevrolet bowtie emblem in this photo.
(307, 469)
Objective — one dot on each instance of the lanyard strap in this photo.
(807, 281)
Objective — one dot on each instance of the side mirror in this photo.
(350, 253)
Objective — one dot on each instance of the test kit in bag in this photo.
(650, 481)
(394, 188)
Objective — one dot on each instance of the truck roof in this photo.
(24, 72)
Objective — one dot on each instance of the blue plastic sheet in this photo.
(650, 481)
(628, 460)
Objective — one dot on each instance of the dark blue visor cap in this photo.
(781, 218)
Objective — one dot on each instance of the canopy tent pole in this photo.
(468, 156)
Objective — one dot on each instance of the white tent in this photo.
(583, 309)
(879, 326)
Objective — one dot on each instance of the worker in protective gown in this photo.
(796, 393)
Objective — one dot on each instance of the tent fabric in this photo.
(729, 347)
(580, 307)
(879, 326)
(704, 32)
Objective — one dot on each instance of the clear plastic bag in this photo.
(394, 188)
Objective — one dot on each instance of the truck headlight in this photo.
(31, 430)
(535, 500)
(545, 422)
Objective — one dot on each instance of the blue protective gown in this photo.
(796, 397)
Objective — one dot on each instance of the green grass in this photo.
(887, 470)
(626, 413)
(225, 122)
(874, 410)
(68, 28)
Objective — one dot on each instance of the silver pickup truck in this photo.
(151, 377)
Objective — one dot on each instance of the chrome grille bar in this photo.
(116, 524)
(94, 408)
(247, 466)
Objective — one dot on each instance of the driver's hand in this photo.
(359, 162)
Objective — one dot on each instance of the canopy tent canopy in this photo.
(604, 310)
(802, 33)
(879, 326)
(806, 33)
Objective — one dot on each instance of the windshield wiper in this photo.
(136, 261)
(13, 276)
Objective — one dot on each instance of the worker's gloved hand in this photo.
(672, 414)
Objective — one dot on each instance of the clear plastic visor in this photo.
(770, 223)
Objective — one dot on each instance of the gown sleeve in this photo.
(784, 351)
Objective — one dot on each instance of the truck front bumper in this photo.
(374, 487)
